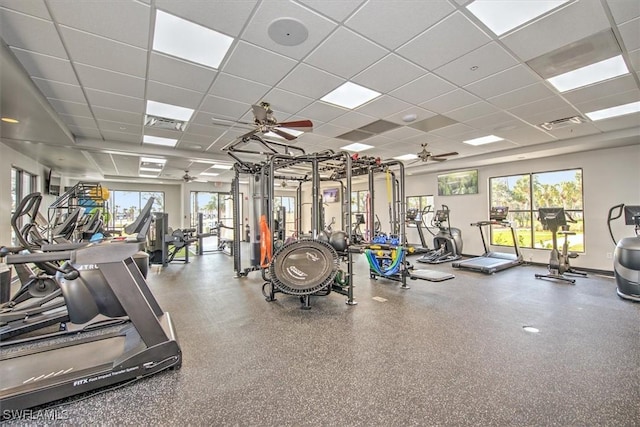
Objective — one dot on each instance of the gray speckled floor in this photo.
(452, 353)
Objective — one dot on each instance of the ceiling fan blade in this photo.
(248, 134)
(453, 153)
(217, 120)
(259, 112)
(438, 159)
(283, 134)
(303, 125)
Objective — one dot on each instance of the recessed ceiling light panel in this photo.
(221, 166)
(157, 140)
(209, 174)
(168, 111)
(505, 15)
(483, 140)
(618, 110)
(405, 157)
(153, 160)
(590, 74)
(179, 37)
(350, 95)
(356, 146)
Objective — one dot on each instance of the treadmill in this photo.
(145, 346)
(491, 262)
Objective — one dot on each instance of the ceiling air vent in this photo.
(164, 123)
(561, 123)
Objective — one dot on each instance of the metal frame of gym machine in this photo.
(261, 189)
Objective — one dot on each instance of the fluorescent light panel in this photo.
(505, 15)
(483, 140)
(350, 95)
(169, 111)
(150, 169)
(153, 160)
(618, 110)
(178, 37)
(590, 74)
(220, 166)
(209, 174)
(406, 157)
(145, 175)
(157, 140)
(357, 146)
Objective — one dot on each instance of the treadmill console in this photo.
(499, 213)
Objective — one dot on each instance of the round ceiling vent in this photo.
(288, 31)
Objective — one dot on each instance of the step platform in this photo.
(430, 275)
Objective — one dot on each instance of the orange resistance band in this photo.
(266, 246)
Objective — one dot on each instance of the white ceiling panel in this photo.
(110, 81)
(227, 86)
(204, 140)
(310, 81)
(120, 116)
(383, 106)
(574, 131)
(403, 132)
(345, 53)
(99, 98)
(323, 111)
(256, 30)
(106, 125)
(228, 17)
(85, 122)
(329, 130)
(525, 135)
(607, 88)
(453, 131)
(246, 62)
(525, 95)
(476, 65)
(624, 10)
(176, 72)
(337, 10)
(57, 90)
(503, 82)
(70, 108)
(286, 101)
(567, 25)
(389, 73)
(449, 39)
(352, 120)
(535, 114)
(194, 128)
(422, 89)
(450, 101)
(30, 33)
(609, 101)
(127, 23)
(46, 67)
(223, 108)
(35, 8)
(630, 32)
(622, 122)
(407, 21)
(473, 111)
(420, 114)
(104, 53)
(173, 95)
(80, 132)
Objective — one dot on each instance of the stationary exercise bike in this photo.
(555, 220)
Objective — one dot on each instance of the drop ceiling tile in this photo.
(223, 108)
(495, 122)
(389, 73)
(163, 133)
(242, 63)
(525, 135)
(345, 53)
(70, 108)
(624, 10)
(407, 22)
(422, 89)
(286, 101)
(630, 32)
(176, 72)
(609, 87)
(256, 30)
(534, 108)
(204, 140)
(330, 130)
(542, 115)
(110, 81)
(352, 120)
(104, 162)
(472, 111)
(120, 116)
(568, 24)
(453, 130)
(337, 10)
(30, 33)
(228, 17)
(322, 111)
(98, 98)
(57, 90)
(310, 81)
(194, 128)
(450, 101)
(503, 82)
(420, 113)
(123, 137)
(574, 131)
(241, 90)
(104, 53)
(173, 95)
(127, 23)
(383, 106)
(525, 95)
(635, 59)
(35, 8)
(402, 133)
(80, 132)
(476, 65)
(376, 141)
(84, 122)
(449, 39)
(609, 101)
(616, 123)
(46, 67)
(106, 125)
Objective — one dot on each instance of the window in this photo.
(125, 206)
(215, 208)
(289, 203)
(524, 194)
(421, 203)
(359, 201)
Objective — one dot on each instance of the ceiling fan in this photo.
(425, 155)
(264, 122)
(188, 178)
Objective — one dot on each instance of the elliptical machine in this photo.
(447, 242)
(555, 220)
(626, 257)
